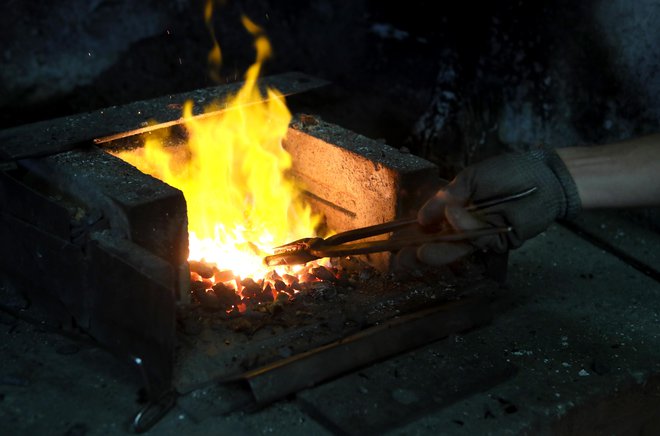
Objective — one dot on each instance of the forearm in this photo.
(623, 174)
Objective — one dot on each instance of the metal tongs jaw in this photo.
(309, 249)
(294, 253)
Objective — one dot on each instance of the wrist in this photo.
(624, 174)
(588, 169)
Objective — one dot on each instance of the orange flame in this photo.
(233, 173)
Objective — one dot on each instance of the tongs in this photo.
(308, 249)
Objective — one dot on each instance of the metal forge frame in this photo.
(105, 244)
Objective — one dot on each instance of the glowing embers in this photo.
(216, 290)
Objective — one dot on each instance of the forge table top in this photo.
(49, 137)
(574, 347)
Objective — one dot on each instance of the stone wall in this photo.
(453, 86)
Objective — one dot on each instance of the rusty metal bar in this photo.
(275, 381)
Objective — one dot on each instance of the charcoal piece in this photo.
(307, 277)
(234, 313)
(301, 286)
(282, 297)
(200, 284)
(248, 282)
(289, 291)
(343, 278)
(280, 285)
(265, 296)
(201, 268)
(273, 276)
(207, 299)
(226, 296)
(197, 286)
(222, 276)
(250, 289)
(289, 279)
(323, 273)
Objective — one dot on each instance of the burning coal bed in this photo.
(216, 290)
(345, 294)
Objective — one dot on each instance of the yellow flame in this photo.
(233, 173)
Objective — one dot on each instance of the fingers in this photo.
(455, 193)
(437, 254)
(433, 211)
(461, 219)
(406, 260)
(447, 205)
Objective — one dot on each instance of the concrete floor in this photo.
(574, 348)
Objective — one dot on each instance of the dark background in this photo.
(451, 81)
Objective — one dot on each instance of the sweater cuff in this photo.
(573, 204)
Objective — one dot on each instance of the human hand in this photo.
(556, 197)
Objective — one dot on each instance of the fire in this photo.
(233, 173)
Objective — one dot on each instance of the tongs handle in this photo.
(397, 244)
(391, 226)
(366, 232)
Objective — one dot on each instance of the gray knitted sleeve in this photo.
(572, 204)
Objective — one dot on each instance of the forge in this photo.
(98, 249)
